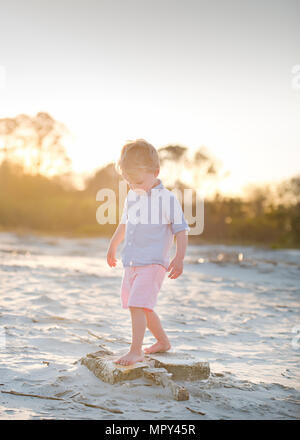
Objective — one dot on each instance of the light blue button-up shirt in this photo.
(146, 241)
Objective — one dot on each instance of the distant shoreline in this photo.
(193, 240)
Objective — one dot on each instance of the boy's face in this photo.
(140, 180)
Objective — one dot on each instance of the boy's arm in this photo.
(118, 236)
(176, 265)
(181, 243)
(180, 229)
(116, 239)
(119, 233)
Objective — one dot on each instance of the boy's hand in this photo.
(176, 267)
(111, 257)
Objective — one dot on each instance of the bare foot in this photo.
(158, 347)
(130, 358)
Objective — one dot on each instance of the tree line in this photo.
(37, 194)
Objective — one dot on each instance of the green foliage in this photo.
(44, 205)
(38, 203)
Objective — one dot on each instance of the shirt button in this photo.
(130, 263)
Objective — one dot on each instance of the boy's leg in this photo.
(154, 325)
(138, 322)
(138, 326)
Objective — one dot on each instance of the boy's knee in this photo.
(135, 308)
(141, 308)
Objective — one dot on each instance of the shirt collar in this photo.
(152, 191)
(159, 186)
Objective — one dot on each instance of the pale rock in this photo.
(161, 368)
(102, 365)
(183, 366)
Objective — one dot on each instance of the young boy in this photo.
(145, 255)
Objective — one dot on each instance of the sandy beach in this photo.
(234, 307)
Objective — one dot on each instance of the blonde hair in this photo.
(136, 156)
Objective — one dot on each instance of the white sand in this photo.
(60, 300)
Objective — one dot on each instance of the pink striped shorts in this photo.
(141, 284)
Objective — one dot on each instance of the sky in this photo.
(190, 73)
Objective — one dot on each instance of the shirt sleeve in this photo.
(178, 222)
(124, 214)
